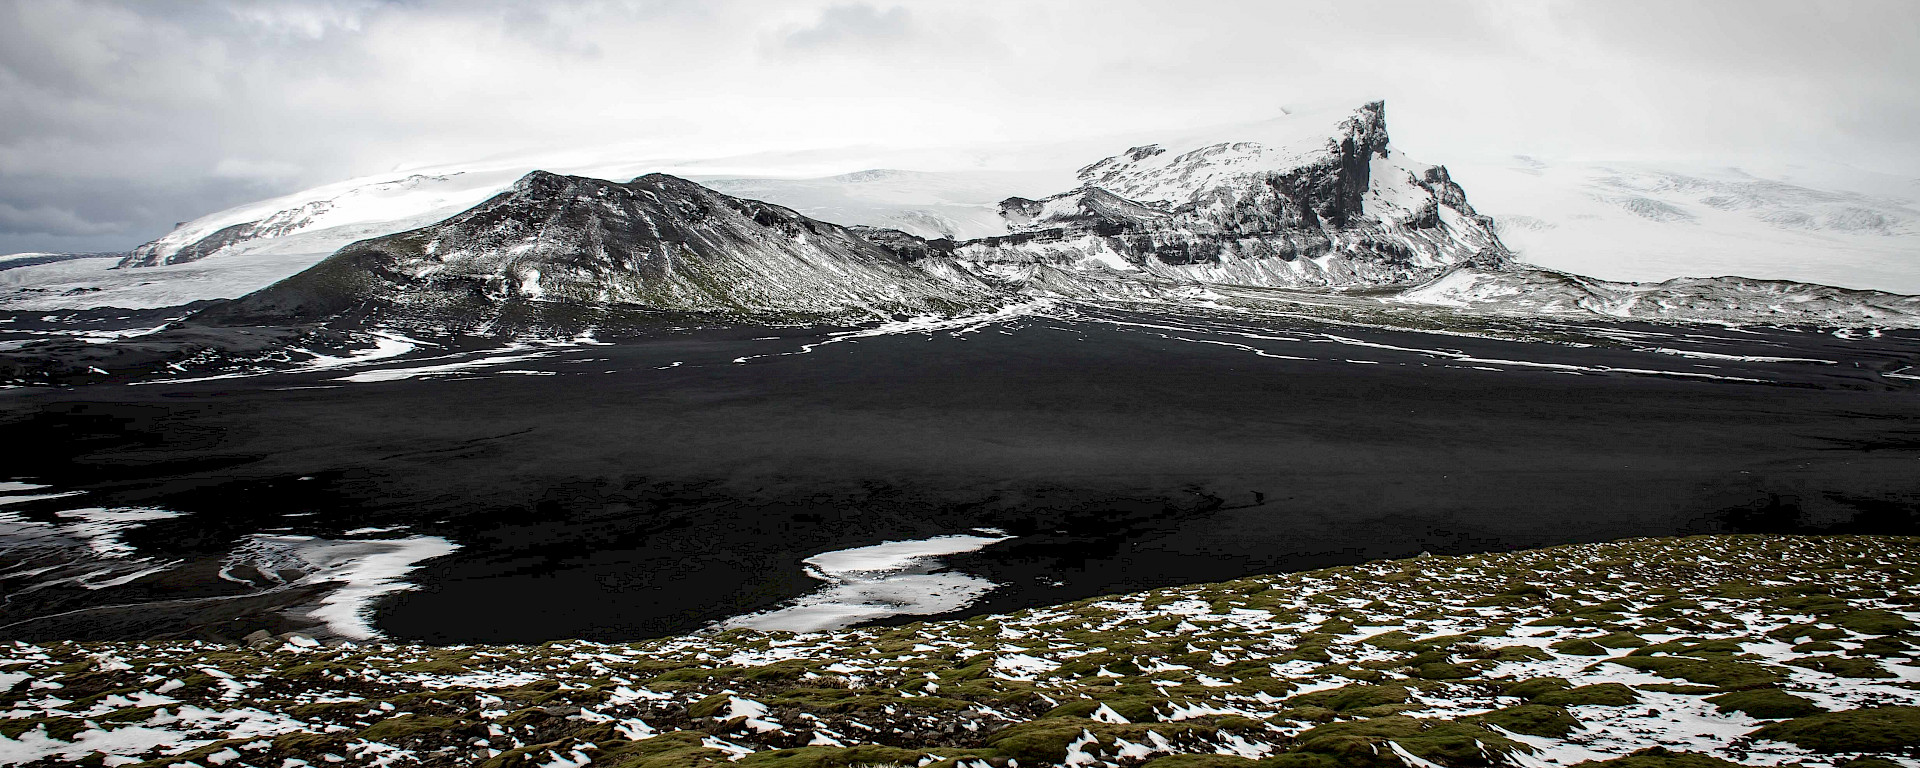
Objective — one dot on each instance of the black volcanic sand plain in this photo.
(620, 496)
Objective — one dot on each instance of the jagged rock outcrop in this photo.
(1319, 202)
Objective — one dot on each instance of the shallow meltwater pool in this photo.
(897, 578)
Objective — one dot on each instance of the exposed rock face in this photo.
(1320, 203)
(657, 241)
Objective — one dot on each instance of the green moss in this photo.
(830, 757)
(1814, 604)
(1766, 704)
(1529, 688)
(1363, 743)
(1681, 688)
(1579, 646)
(1351, 697)
(1396, 640)
(1842, 666)
(1620, 640)
(1870, 762)
(1603, 694)
(1792, 632)
(1661, 757)
(1271, 686)
(680, 749)
(308, 745)
(62, 728)
(1445, 671)
(1532, 720)
(447, 666)
(1858, 730)
(195, 756)
(1872, 622)
(1818, 646)
(330, 709)
(1693, 646)
(709, 706)
(698, 674)
(316, 670)
(1314, 653)
(1045, 740)
(1725, 673)
(1200, 761)
(1134, 709)
(1517, 653)
(1880, 646)
(785, 670)
(406, 726)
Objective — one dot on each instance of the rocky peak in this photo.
(657, 241)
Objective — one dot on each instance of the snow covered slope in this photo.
(1622, 221)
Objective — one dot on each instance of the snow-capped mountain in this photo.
(658, 242)
(1313, 200)
(1316, 202)
(1336, 208)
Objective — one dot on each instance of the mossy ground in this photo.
(1671, 653)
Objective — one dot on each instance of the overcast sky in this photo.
(118, 119)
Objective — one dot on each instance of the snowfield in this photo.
(1634, 222)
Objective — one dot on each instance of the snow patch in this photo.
(890, 579)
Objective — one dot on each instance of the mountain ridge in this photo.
(657, 241)
(1317, 201)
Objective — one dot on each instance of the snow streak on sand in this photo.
(385, 345)
(101, 527)
(1185, 329)
(928, 324)
(1739, 358)
(866, 583)
(443, 369)
(365, 570)
(87, 552)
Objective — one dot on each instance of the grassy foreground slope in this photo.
(1667, 653)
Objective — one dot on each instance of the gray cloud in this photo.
(857, 24)
(48, 221)
(118, 119)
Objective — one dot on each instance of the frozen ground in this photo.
(1754, 650)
